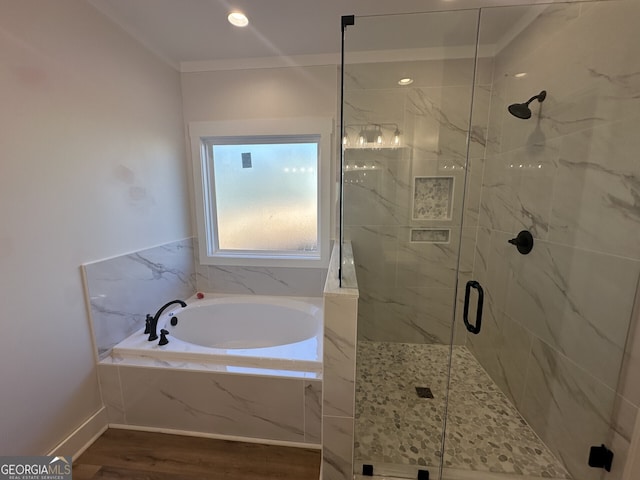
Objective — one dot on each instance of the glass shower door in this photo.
(407, 95)
(546, 365)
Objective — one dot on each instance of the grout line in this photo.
(582, 249)
(527, 367)
(124, 410)
(304, 409)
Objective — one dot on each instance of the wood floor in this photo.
(132, 455)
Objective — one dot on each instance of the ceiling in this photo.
(183, 31)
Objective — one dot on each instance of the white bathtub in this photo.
(238, 333)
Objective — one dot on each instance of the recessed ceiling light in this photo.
(520, 75)
(238, 19)
(405, 81)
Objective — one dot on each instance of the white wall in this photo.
(256, 94)
(91, 166)
(259, 93)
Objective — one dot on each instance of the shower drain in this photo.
(424, 392)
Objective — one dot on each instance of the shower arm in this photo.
(531, 100)
(540, 97)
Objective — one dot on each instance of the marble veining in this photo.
(122, 290)
(217, 402)
(557, 292)
(339, 354)
(407, 314)
(306, 282)
(444, 111)
(406, 284)
(214, 402)
(337, 452)
(376, 186)
(427, 264)
(601, 161)
(485, 432)
(313, 412)
(338, 386)
(568, 406)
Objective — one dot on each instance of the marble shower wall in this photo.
(394, 198)
(122, 290)
(219, 403)
(556, 320)
(297, 282)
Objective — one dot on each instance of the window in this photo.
(266, 193)
(262, 191)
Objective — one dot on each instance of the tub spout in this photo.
(153, 324)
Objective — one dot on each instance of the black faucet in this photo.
(153, 322)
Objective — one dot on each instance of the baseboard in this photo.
(233, 438)
(83, 436)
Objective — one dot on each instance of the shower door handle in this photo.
(475, 329)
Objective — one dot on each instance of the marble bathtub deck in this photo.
(393, 426)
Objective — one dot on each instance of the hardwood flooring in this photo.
(133, 455)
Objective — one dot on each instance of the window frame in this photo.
(203, 133)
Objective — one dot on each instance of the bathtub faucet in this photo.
(153, 324)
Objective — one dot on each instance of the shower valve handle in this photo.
(523, 242)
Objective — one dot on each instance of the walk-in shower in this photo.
(433, 215)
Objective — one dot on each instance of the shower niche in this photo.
(538, 386)
(432, 198)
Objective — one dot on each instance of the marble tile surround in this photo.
(122, 290)
(583, 133)
(206, 397)
(341, 317)
(569, 175)
(252, 406)
(299, 282)
(567, 407)
(407, 287)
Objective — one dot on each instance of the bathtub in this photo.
(241, 367)
(235, 333)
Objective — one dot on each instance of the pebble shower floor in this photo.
(485, 432)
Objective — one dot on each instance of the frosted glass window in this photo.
(266, 195)
(262, 191)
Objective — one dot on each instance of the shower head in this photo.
(521, 110)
